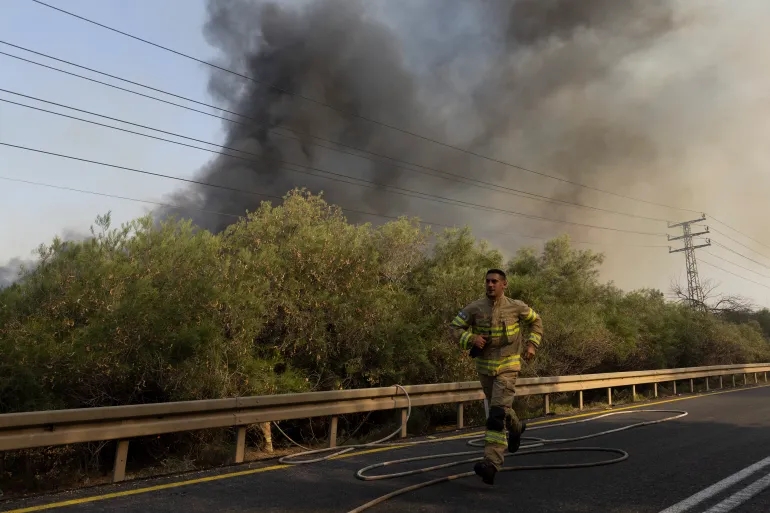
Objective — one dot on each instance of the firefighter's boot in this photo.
(486, 471)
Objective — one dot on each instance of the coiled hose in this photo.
(475, 440)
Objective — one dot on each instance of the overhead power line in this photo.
(190, 208)
(740, 254)
(359, 116)
(415, 195)
(410, 166)
(734, 274)
(366, 183)
(739, 232)
(740, 244)
(737, 265)
(150, 173)
(115, 196)
(188, 180)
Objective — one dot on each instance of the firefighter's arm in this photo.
(461, 328)
(535, 323)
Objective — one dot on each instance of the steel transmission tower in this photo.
(695, 295)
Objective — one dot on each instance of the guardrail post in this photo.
(721, 385)
(765, 377)
(609, 396)
(655, 388)
(707, 384)
(756, 379)
(580, 400)
(403, 422)
(268, 436)
(460, 412)
(333, 432)
(119, 468)
(633, 393)
(674, 387)
(733, 380)
(240, 444)
(692, 385)
(547, 404)
(745, 379)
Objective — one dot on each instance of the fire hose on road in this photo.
(477, 441)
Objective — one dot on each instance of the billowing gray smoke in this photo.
(474, 73)
(647, 98)
(330, 51)
(14, 269)
(9, 272)
(555, 48)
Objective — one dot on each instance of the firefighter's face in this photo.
(495, 285)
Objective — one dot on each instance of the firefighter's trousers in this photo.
(499, 391)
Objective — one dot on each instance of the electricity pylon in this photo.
(695, 295)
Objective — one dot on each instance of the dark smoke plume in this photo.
(632, 96)
(344, 53)
(329, 50)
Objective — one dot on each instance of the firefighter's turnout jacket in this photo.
(500, 322)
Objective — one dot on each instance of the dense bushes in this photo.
(295, 298)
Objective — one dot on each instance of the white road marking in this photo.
(716, 488)
(742, 496)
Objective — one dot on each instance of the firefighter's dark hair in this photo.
(497, 271)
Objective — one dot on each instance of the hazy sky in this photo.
(32, 214)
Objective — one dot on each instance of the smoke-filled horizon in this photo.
(655, 99)
(658, 99)
(495, 78)
(587, 90)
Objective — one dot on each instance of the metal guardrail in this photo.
(61, 427)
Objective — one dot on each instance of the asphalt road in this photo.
(699, 463)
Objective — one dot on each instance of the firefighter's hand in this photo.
(529, 354)
(479, 341)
